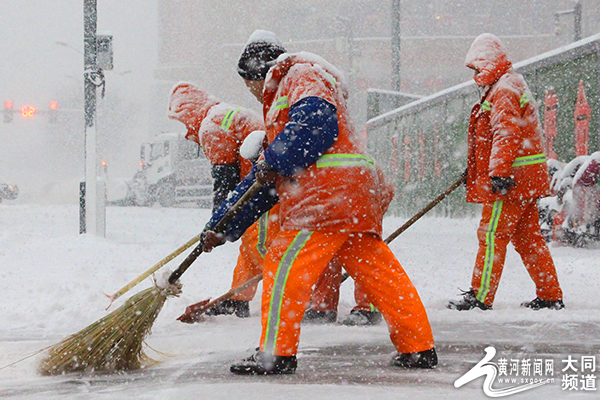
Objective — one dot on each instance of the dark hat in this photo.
(259, 55)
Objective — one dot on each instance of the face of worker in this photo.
(256, 88)
(475, 71)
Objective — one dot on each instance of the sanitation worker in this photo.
(330, 205)
(507, 173)
(221, 130)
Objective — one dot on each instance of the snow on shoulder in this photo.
(252, 145)
(324, 67)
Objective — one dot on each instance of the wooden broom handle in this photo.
(418, 215)
(231, 213)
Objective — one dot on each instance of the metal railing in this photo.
(423, 145)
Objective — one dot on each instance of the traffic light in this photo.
(53, 112)
(8, 111)
(27, 111)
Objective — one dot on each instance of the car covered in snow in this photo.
(174, 172)
(8, 191)
(571, 215)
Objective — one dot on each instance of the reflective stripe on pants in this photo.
(515, 221)
(295, 261)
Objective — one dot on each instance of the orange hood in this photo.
(287, 60)
(189, 104)
(488, 56)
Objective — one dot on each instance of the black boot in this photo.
(422, 359)
(265, 364)
(362, 318)
(468, 302)
(538, 304)
(319, 317)
(241, 308)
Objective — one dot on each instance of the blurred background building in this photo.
(157, 43)
(200, 40)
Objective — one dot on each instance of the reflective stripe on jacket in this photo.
(341, 191)
(505, 140)
(223, 131)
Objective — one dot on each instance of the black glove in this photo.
(265, 173)
(465, 175)
(502, 184)
(210, 240)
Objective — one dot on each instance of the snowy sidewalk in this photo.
(54, 280)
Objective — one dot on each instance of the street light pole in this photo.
(577, 14)
(396, 45)
(92, 206)
(577, 21)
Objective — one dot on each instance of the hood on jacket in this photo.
(489, 57)
(189, 104)
(287, 60)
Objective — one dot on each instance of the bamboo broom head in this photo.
(113, 343)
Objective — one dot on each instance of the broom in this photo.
(114, 343)
(194, 312)
(153, 269)
(423, 211)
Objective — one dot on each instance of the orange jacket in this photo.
(223, 131)
(505, 138)
(342, 190)
(218, 127)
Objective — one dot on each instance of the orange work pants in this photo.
(250, 261)
(253, 248)
(295, 261)
(326, 295)
(515, 221)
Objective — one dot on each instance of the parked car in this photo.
(8, 191)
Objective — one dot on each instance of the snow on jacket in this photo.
(505, 138)
(341, 191)
(189, 105)
(223, 131)
(219, 128)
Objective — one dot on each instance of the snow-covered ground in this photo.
(53, 281)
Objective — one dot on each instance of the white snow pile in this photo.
(595, 157)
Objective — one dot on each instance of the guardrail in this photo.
(422, 145)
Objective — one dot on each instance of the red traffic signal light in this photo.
(8, 111)
(52, 112)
